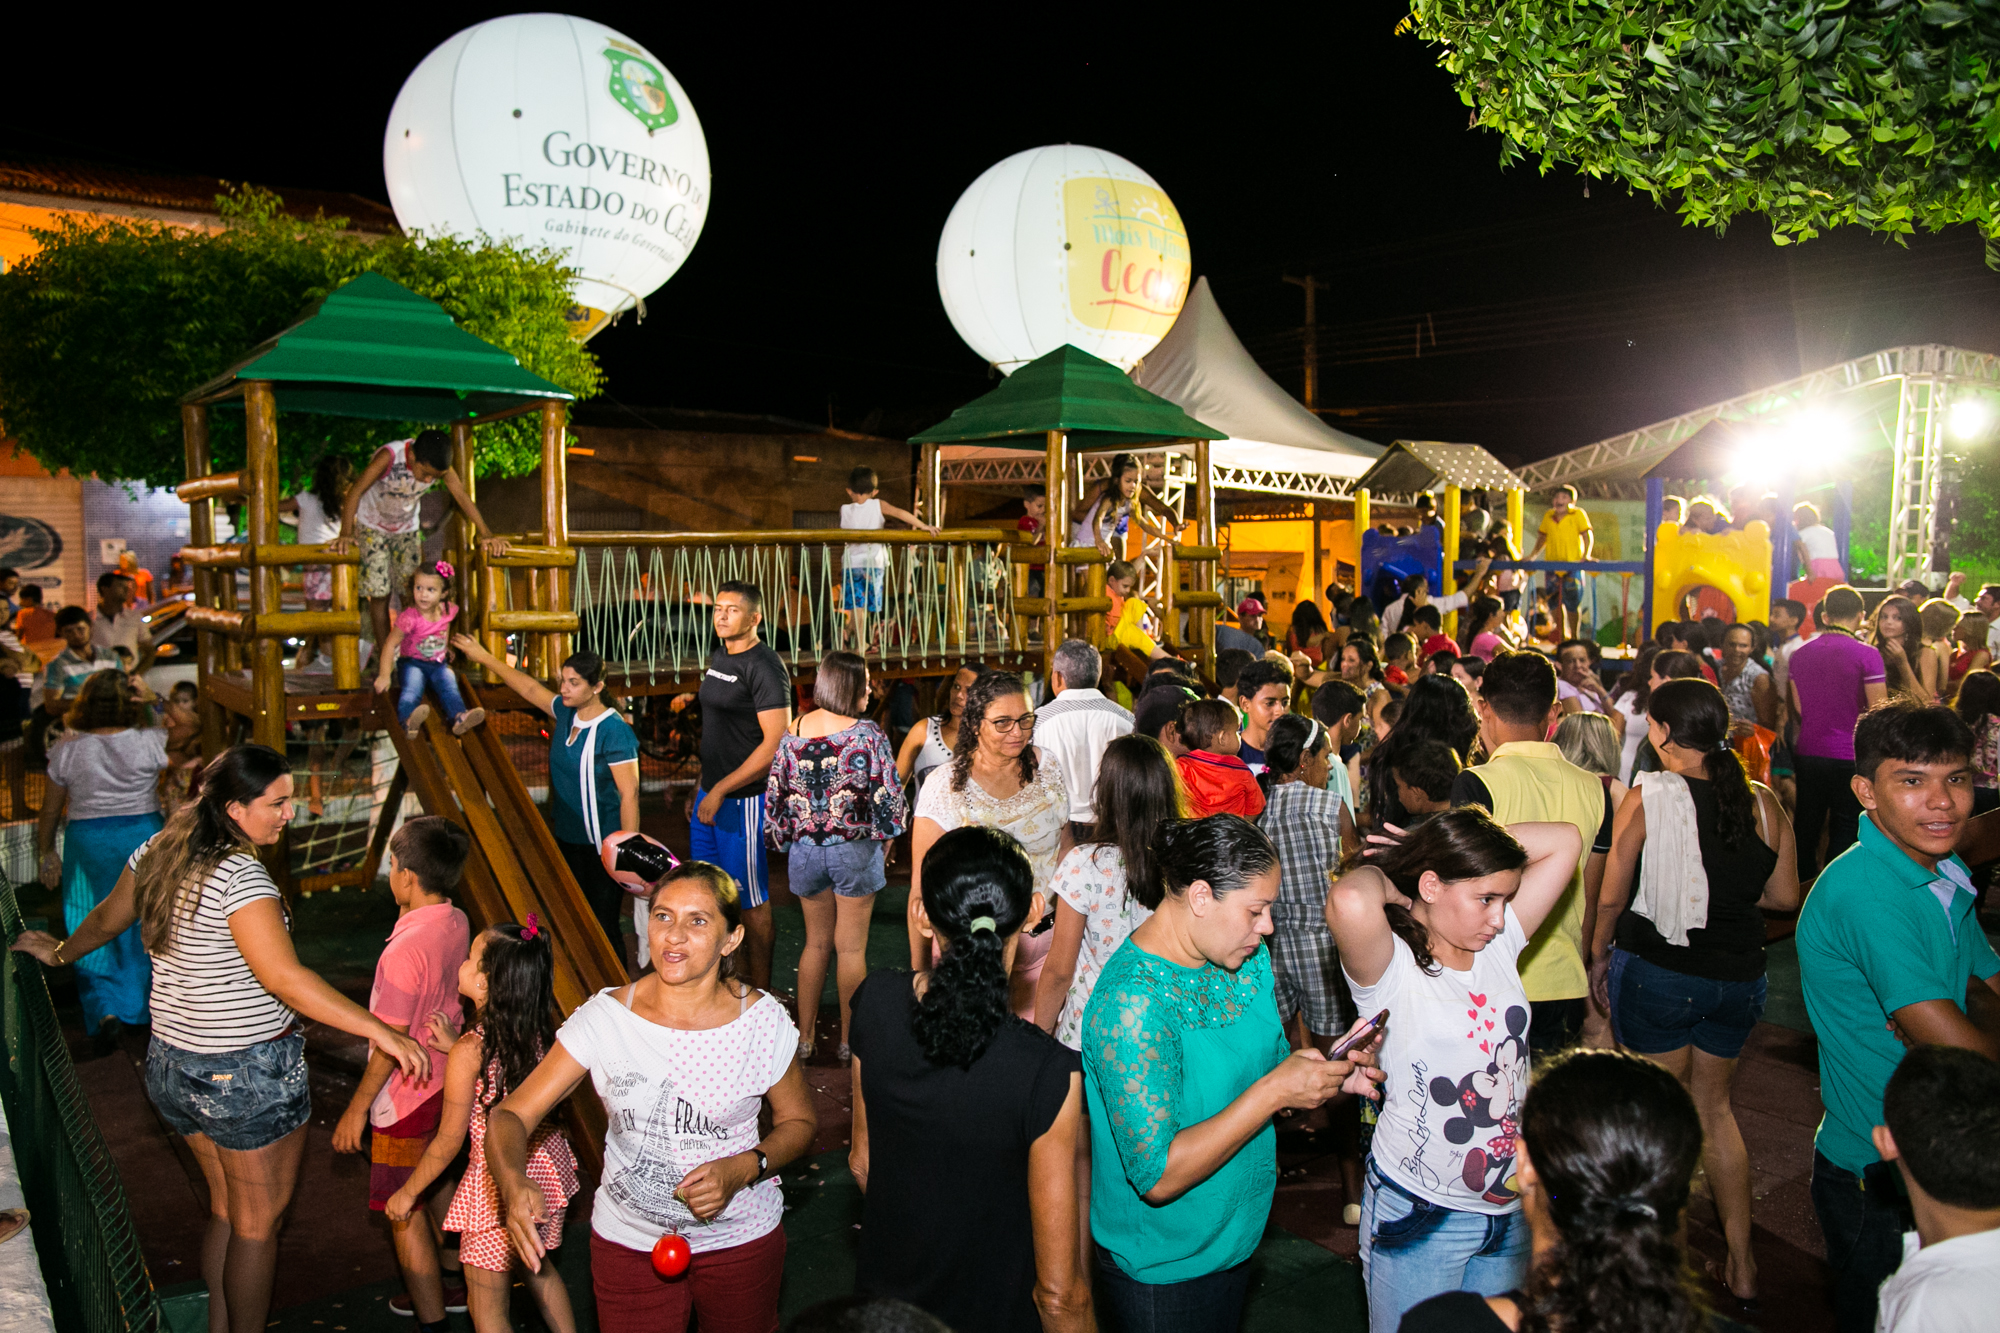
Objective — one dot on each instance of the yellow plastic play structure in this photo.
(1736, 564)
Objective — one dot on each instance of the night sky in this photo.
(1467, 302)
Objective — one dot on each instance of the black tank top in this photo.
(1731, 946)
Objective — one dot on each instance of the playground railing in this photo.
(96, 1275)
(643, 600)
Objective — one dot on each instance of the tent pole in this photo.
(1055, 478)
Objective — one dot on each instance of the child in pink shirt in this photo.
(416, 977)
(416, 651)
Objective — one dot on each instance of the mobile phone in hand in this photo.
(1361, 1036)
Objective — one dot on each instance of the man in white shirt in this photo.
(1417, 592)
(1942, 1119)
(1077, 724)
(119, 625)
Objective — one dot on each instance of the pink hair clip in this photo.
(531, 927)
(444, 569)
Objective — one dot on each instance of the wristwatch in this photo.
(763, 1165)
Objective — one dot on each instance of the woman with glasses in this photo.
(998, 777)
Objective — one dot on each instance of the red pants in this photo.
(731, 1291)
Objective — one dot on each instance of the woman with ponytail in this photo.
(1432, 930)
(952, 1087)
(1604, 1159)
(1186, 1064)
(1708, 851)
(227, 1067)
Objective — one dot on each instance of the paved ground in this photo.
(336, 1269)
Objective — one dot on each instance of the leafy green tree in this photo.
(110, 323)
(1815, 113)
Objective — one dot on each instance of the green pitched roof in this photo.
(373, 348)
(1068, 390)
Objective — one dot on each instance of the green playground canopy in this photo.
(1068, 390)
(373, 348)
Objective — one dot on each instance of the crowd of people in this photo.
(1491, 913)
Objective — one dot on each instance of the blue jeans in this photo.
(244, 1099)
(1412, 1250)
(1863, 1219)
(1212, 1303)
(413, 674)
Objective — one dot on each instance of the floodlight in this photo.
(1970, 418)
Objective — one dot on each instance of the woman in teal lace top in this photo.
(1184, 1066)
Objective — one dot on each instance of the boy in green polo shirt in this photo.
(1888, 942)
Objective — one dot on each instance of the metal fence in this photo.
(97, 1277)
(646, 610)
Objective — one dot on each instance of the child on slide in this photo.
(416, 652)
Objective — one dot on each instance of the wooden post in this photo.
(1201, 625)
(555, 517)
(465, 550)
(201, 532)
(1055, 531)
(1360, 533)
(930, 485)
(260, 521)
(347, 647)
(1451, 554)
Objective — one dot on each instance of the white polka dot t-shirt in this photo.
(674, 1100)
(1091, 879)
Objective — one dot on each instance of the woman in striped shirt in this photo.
(227, 1064)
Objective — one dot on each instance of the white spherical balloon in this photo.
(1064, 244)
(558, 131)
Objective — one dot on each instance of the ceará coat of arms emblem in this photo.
(638, 85)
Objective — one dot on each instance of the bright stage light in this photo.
(1970, 418)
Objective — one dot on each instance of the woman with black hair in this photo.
(1185, 1064)
(950, 1086)
(1604, 1160)
(1437, 708)
(1105, 887)
(1432, 930)
(1485, 628)
(593, 777)
(1709, 851)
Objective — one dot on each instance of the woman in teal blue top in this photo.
(1184, 1065)
(593, 771)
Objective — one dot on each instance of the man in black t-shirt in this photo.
(746, 699)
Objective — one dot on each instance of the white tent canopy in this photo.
(1204, 368)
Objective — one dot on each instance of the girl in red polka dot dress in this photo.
(508, 976)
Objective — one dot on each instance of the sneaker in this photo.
(467, 720)
(454, 1302)
(418, 715)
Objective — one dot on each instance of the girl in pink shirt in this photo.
(416, 652)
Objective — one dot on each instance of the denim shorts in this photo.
(242, 1100)
(852, 869)
(1654, 1010)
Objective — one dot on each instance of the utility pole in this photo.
(1311, 285)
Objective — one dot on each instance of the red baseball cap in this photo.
(1249, 606)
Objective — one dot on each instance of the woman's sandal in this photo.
(467, 720)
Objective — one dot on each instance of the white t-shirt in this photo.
(1948, 1287)
(128, 631)
(106, 776)
(676, 1099)
(1819, 543)
(391, 504)
(864, 517)
(1091, 879)
(315, 528)
(1456, 1056)
(205, 997)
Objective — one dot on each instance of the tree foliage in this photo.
(1815, 113)
(111, 322)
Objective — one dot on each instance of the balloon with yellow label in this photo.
(1063, 244)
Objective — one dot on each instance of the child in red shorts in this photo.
(416, 976)
(510, 978)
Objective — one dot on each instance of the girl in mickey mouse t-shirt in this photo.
(1432, 930)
